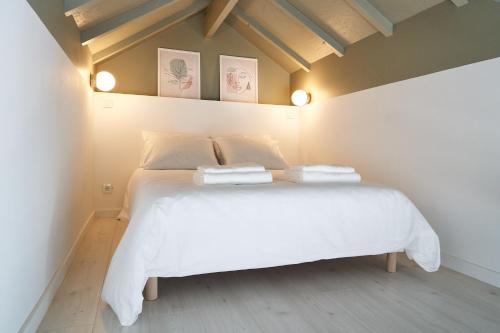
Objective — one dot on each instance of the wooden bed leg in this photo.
(391, 261)
(151, 289)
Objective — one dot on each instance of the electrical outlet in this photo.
(107, 188)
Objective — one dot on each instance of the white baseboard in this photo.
(36, 316)
(476, 271)
(107, 214)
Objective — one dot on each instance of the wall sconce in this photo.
(300, 98)
(105, 81)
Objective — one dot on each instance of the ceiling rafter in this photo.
(70, 6)
(460, 3)
(216, 14)
(102, 28)
(264, 33)
(149, 31)
(338, 48)
(373, 15)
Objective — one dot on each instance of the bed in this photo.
(178, 229)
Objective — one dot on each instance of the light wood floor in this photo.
(346, 295)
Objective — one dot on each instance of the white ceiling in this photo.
(115, 25)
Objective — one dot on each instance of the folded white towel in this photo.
(321, 177)
(236, 178)
(243, 167)
(323, 168)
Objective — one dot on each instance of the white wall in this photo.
(118, 140)
(437, 139)
(45, 192)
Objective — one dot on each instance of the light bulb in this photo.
(105, 81)
(300, 97)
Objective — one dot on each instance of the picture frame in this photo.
(239, 79)
(179, 73)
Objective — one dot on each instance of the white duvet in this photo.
(178, 228)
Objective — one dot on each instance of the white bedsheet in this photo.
(177, 228)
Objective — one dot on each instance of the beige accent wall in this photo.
(439, 38)
(64, 31)
(136, 68)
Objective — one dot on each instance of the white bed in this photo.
(177, 229)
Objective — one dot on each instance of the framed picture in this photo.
(178, 73)
(239, 79)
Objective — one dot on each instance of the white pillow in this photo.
(172, 151)
(249, 149)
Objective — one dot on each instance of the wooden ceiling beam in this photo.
(264, 33)
(460, 3)
(373, 15)
(216, 14)
(291, 10)
(102, 28)
(70, 6)
(149, 31)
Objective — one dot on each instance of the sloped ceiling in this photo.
(93, 12)
(295, 33)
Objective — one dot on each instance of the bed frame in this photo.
(151, 288)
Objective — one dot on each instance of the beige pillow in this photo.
(176, 151)
(249, 149)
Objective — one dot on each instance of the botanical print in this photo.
(178, 73)
(238, 79)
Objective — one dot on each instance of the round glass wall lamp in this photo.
(105, 81)
(300, 97)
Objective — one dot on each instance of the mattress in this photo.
(177, 228)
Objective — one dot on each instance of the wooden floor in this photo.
(346, 295)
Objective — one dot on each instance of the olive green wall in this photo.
(65, 32)
(135, 69)
(439, 38)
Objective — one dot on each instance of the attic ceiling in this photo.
(295, 33)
